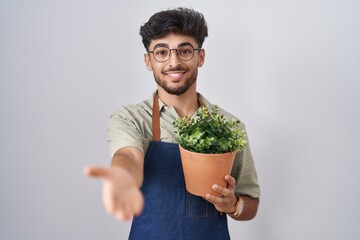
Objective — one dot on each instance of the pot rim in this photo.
(219, 154)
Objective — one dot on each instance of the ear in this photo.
(201, 58)
(148, 62)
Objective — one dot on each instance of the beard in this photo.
(178, 90)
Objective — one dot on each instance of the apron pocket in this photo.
(197, 207)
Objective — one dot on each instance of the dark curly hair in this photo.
(180, 21)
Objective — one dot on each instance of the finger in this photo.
(97, 171)
(122, 216)
(221, 190)
(123, 211)
(113, 205)
(138, 205)
(108, 198)
(214, 200)
(231, 182)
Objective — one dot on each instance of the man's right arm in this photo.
(122, 197)
(131, 159)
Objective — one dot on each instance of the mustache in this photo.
(176, 69)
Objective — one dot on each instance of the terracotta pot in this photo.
(202, 170)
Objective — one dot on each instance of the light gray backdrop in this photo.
(289, 69)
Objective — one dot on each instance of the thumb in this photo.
(97, 171)
(231, 182)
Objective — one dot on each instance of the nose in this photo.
(173, 58)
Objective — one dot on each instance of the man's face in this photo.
(175, 76)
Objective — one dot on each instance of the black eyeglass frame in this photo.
(177, 54)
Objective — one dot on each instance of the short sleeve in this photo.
(245, 175)
(123, 132)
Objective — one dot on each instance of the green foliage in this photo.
(209, 133)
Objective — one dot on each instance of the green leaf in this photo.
(209, 132)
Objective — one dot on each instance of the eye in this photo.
(185, 51)
(161, 52)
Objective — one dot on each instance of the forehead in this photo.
(173, 41)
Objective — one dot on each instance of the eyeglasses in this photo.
(184, 53)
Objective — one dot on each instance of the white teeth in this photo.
(175, 74)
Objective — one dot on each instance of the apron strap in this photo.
(156, 117)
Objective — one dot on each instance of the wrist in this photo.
(239, 207)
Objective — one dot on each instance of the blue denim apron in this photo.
(170, 212)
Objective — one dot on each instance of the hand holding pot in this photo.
(227, 199)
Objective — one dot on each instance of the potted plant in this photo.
(208, 144)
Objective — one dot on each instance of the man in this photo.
(145, 179)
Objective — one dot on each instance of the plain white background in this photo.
(288, 68)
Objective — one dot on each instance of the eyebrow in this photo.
(185, 44)
(167, 45)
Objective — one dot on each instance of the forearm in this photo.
(250, 209)
(132, 160)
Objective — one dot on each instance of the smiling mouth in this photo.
(175, 75)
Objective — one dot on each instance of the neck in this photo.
(185, 104)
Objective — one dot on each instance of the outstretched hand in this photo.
(227, 199)
(122, 197)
